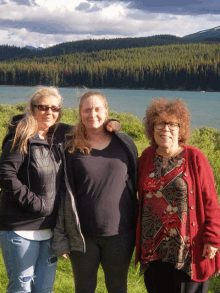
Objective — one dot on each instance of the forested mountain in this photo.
(157, 62)
(188, 66)
(210, 35)
(87, 46)
(10, 52)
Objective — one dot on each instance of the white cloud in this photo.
(46, 22)
(186, 7)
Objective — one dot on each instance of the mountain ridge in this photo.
(87, 46)
(205, 35)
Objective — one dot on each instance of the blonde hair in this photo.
(78, 138)
(27, 126)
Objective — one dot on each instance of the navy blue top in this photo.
(104, 201)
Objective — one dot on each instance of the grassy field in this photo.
(207, 139)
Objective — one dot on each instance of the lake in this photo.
(203, 106)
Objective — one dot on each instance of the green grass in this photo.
(207, 139)
(64, 279)
(64, 282)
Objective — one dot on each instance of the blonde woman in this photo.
(31, 172)
(31, 169)
(102, 184)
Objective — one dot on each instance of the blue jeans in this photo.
(30, 265)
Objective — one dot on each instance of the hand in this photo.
(65, 255)
(209, 251)
(113, 126)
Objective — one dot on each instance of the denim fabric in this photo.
(29, 264)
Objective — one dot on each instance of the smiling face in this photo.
(46, 119)
(93, 113)
(165, 138)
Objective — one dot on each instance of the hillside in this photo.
(183, 67)
(87, 46)
(210, 35)
(11, 52)
(157, 62)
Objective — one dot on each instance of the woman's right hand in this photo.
(209, 251)
(65, 255)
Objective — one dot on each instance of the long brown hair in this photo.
(78, 138)
(28, 126)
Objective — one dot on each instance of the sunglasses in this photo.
(46, 108)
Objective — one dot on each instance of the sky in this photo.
(44, 23)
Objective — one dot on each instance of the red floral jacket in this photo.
(204, 210)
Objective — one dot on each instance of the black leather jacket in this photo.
(31, 182)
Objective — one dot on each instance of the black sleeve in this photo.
(10, 164)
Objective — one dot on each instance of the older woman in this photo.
(102, 174)
(179, 218)
(31, 172)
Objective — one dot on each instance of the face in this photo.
(166, 138)
(93, 113)
(46, 119)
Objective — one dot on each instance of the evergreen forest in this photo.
(88, 46)
(176, 66)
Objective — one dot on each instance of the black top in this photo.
(31, 182)
(104, 200)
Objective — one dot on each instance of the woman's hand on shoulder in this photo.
(65, 255)
(209, 251)
(113, 125)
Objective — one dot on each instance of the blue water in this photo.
(204, 107)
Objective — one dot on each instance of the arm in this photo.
(60, 244)
(65, 255)
(209, 251)
(113, 125)
(211, 235)
(12, 185)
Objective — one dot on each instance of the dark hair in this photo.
(175, 108)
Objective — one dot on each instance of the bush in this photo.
(207, 139)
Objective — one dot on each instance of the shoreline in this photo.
(114, 88)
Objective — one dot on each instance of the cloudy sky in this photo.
(43, 23)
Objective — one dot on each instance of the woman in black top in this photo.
(31, 172)
(102, 174)
(31, 169)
